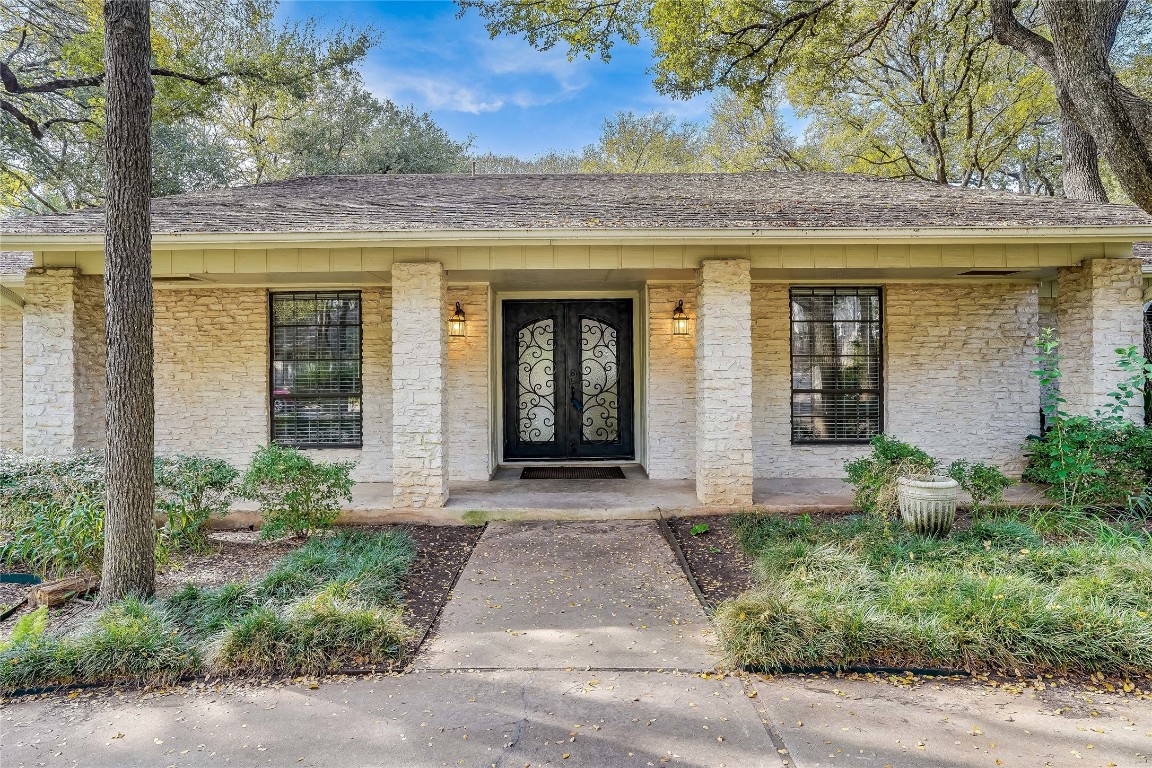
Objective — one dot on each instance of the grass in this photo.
(333, 602)
(996, 597)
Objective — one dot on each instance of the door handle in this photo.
(575, 403)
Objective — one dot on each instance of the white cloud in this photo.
(432, 92)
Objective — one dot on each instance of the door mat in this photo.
(572, 473)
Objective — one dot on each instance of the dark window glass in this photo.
(316, 369)
(836, 364)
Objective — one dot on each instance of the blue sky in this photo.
(512, 98)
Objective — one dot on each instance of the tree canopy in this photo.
(921, 89)
(239, 97)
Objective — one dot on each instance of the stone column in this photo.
(419, 370)
(63, 351)
(724, 383)
(1098, 309)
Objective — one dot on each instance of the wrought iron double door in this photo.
(568, 387)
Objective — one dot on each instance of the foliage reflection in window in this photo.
(836, 364)
(316, 369)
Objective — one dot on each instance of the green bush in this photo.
(189, 491)
(874, 476)
(53, 513)
(296, 495)
(993, 597)
(983, 482)
(1103, 460)
(52, 509)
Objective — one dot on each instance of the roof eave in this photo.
(666, 235)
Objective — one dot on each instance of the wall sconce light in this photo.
(456, 322)
(679, 320)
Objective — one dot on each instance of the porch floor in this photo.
(507, 497)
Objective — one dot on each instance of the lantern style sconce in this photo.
(456, 322)
(679, 320)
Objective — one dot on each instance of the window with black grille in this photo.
(316, 369)
(836, 364)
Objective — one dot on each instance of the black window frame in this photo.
(878, 291)
(272, 360)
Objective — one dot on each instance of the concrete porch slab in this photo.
(507, 497)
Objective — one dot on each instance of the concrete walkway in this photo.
(550, 595)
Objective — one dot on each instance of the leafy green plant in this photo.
(59, 532)
(296, 495)
(1092, 461)
(874, 476)
(983, 482)
(28, 628)
(190, 490)
(699, 529)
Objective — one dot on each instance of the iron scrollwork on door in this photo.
(536, 390)
(599, 382)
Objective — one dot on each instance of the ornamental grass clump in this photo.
(995, 597)
(331, 603)
(132, 641)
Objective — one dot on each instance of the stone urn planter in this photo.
(927, 503)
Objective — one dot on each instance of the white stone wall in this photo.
(724, 412)
(1098, 309)
(92, 387)
(671, 385)
(419, 377)
(11, 377)
(212, 377)
(957, 376)
(63, 351)
(469, 430)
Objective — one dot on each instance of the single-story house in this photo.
(709, 328)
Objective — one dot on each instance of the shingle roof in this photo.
(404, 203)
(1144, 251)
(15, 262)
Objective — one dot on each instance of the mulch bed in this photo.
(715, 558)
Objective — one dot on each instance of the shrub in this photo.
(296, 495)
(874, 476)
(1099, 460)
(189, 491)
(53, 512)
(983, 482)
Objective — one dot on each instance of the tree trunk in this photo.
(129, 526)
(1082, 36)
(1080, 163)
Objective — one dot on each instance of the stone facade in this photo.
(63, 352)
(212, 377)
(11, 377)
(957, 381)
(1098, 309)
(671, 385)
(419, 407)
(469, 391)
(724, 414)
